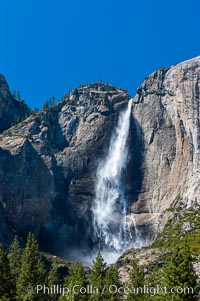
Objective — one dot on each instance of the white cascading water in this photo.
(111, 222)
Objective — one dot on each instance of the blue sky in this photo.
(47, 47)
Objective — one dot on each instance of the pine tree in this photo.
(97, 276)
(52, 101)
(111, 284)
(179, 274)
(31, 273)
(53, 279)
(6, 284)
(14, 257)
(45, 105)
(76, 280)
(154, 280)
(35, 111)
(16, 95)
(136, 282)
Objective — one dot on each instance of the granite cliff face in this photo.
(48, 162)
(11, 110)
(167, 109)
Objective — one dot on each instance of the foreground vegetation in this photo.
(23, 276)
(182, 227)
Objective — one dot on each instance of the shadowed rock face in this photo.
(48, 165)
(11, 110)
(48, 162)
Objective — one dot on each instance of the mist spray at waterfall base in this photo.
(111, 221)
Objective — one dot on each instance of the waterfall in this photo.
(111, 221)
